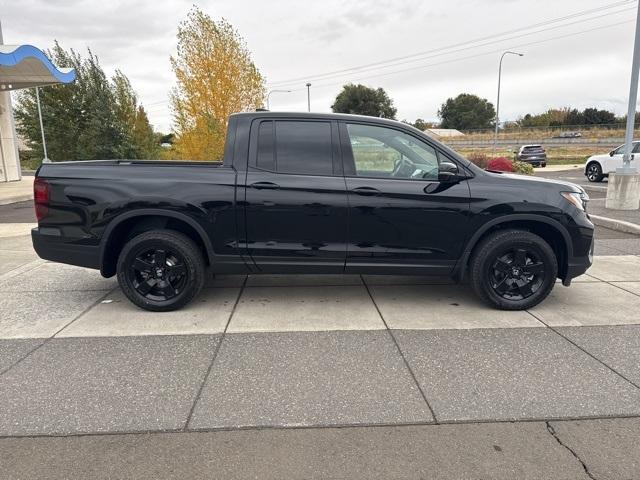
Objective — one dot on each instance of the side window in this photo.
(635, 149)
(304, 148)
(266, 153)
(388, 153)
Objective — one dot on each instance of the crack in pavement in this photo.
(555, 435)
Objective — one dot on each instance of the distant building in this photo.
(443, 132)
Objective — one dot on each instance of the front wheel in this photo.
(594, 172)
(161, 270)
(513, 270)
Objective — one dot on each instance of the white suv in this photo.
(599, 166)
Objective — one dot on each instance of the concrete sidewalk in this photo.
(13, 192)
(312, 376)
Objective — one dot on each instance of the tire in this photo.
(594, 172)
(513, 270)
(176, 279)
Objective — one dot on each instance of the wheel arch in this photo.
(127, 225)
(552, 231)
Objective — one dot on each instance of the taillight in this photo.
(41, 197)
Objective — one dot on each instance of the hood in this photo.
(528, 178)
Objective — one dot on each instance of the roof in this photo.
(24, 66)
(325, 116)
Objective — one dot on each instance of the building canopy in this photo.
(24, 66)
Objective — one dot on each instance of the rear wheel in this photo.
(161, 270)
(513, 270)
(594, 172)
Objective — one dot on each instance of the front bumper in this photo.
(578, 266)
(49, 245)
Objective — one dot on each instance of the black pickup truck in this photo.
(313, 193)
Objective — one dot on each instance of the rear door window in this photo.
(303, 148)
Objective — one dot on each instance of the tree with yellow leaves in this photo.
(215, 77)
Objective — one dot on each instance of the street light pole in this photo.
(275, 91)
(308, 97)
(495, 140)
(44, 142)
(633, 97)
(623, 188)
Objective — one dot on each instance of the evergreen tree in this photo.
(88, 119)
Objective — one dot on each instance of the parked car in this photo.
(598, 167)
(533, 154)
(313, 193)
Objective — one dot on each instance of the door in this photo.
(617, 158)
(402, 218)
(295, 197)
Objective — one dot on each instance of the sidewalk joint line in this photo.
(318, 426)
(555, 330)
(404, 359)
(48, 339)
(215, 355)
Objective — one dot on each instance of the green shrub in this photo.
(29, 160)
(522, 168)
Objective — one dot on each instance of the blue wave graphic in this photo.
(25, 51)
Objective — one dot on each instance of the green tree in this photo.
(138, 139)
(362, 100)
(466, 111)
(90, 118)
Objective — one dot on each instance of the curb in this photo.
(16, 199)
(618, 225)
(594, 188)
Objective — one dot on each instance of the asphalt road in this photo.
(575, 175)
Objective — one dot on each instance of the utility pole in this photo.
(495, 139)
(308, 97)
(623, 189)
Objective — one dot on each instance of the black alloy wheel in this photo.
(161, 270)
(158, 274)
(513, 269)
(517, 274)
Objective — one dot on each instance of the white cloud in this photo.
(294, 38)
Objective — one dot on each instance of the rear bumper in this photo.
(53, 247)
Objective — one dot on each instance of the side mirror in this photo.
(448, 172)
(612, 153)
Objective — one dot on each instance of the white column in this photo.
(10, 167)
(9, 160)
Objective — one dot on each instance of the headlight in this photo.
(579, 199)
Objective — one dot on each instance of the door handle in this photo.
(367, 191)
(265, 185)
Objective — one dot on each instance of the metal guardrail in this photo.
(577, 142)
